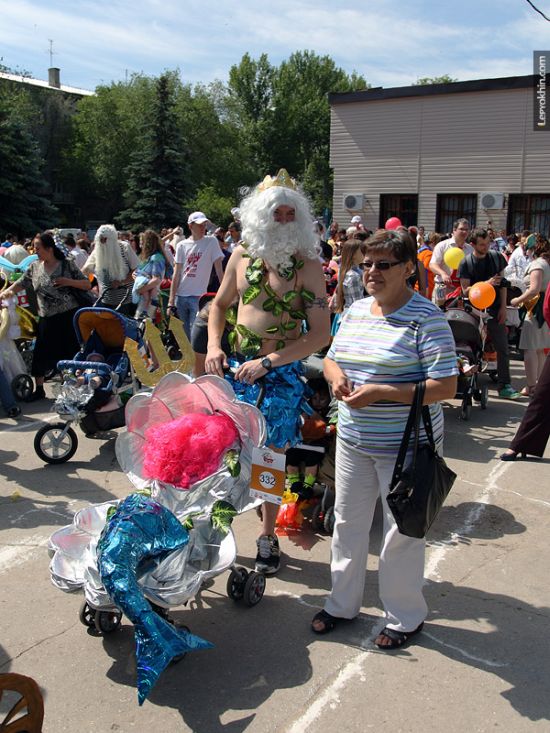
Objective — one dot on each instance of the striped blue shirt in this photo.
(409, 345)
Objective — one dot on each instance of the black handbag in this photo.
(84, 298)
(419, 488)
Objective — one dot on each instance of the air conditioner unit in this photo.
(354, 201)
(490, 200)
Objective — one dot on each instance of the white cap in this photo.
(235, 212)
(356, 219)
(197, 217)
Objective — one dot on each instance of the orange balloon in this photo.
(482, 295)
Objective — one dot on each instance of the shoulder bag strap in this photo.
(427, 420)
(413, 423)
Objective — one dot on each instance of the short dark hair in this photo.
(478, 233)
(460, 221)
(235, 225)
(400, 244)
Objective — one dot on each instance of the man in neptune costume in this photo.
(187, 450)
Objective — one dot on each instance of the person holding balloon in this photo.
(446, 258)
(482, 282)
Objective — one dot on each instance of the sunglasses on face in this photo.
(382, 265)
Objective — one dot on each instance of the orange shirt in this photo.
(425, 256)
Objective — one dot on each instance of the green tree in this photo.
(24, 205)
(106, 130)
(425, 80)
(157, 173)
(285, 115)
(216, 206)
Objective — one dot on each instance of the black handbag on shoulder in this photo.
(84, 298)
(419, 488)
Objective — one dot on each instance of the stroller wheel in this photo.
(465, 410)
(107, 621)
(86, 615)
(22, 387)
(484, 397)
(328, 521)
(236, 583)
(254, 588)
(55, 443)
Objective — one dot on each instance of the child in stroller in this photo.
(94, 384)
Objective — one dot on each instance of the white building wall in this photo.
(468, 142)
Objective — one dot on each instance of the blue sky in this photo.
(389, 43)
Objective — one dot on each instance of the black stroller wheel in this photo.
(465, 410)
(484, 397)
(107, 621)
(236, 583)
(54, 444)
(86, 615)
(254, 588)
(22, 387)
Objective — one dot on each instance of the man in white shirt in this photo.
(76, 252)
(194, 259)
(519, 260)
(446, 280)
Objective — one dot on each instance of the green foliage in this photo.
(425, 80)
(285, 115)
(107, 129)
(157, 173)
(216, 207)
(222, 515)
(24, 205)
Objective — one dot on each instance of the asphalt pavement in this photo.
(482, 662)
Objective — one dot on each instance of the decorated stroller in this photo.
(153, 550)
(96, 405)
(467, 325)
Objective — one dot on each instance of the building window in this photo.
(529, 211)
(402, 205)
(453, 206)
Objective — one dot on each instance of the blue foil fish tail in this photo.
(141, 529)
(157, 643)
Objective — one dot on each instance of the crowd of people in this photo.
(375, 300)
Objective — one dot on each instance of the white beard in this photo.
(109, 260)
(278, 243)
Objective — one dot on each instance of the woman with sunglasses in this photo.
(386, 344)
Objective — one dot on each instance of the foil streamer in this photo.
(283, 403)
(139, 530)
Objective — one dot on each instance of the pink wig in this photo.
(187, 449)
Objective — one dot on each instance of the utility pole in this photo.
(51, 51)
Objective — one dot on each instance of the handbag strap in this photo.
(413, 424)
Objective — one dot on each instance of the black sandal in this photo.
(329, 622)
(397, 638)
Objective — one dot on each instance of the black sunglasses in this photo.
(382, 265)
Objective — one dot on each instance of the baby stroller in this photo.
(467, 326)
(100, 331)
(175, 574)
(12, 362)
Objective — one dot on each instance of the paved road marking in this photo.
(21, 551)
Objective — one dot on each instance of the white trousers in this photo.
(360, 479)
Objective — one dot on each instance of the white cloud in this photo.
(392, 43)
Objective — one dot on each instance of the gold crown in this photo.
(281, 179)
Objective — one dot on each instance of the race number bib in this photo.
(268, 475)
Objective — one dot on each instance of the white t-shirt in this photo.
(439, 255)
(197, 259)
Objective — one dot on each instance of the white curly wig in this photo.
(272, 241)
